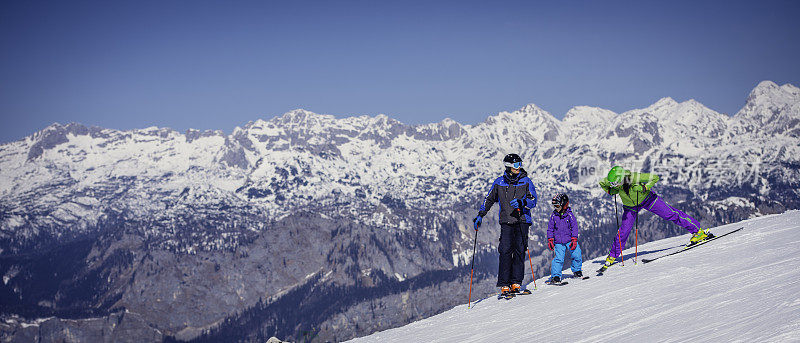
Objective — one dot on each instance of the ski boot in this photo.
(577, 275)
(516, 289)
(699, 236)
(555, 280)
(610, 260)
(505, 293)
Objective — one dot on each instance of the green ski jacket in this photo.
(630, 197)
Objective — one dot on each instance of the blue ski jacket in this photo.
(506, 188)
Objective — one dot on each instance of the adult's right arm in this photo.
(488, 201)
(648, 179)
(606, 186)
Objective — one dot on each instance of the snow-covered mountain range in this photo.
(158, 221)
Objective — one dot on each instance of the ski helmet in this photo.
(512, 161)
(560, 200)
(616, 174)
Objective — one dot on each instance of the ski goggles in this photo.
(515, 165)
(616, 184)
(557, 205)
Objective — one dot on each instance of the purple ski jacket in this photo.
(562, 227)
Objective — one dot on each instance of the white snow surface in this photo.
(744, 287)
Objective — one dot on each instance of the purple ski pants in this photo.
(654, 204)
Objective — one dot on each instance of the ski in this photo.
(511, 295)
(562, 283)
(603, 269)
(506, 296)
(646, 260)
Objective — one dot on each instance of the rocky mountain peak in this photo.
(301, 118)
(535, 113)
(664, 102)
(53, 135)
(531, 108)
(763, 88)
(588, 114)
(770, 94)
(446, 129)
(771, 109)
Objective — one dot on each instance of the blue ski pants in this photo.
(558, 259)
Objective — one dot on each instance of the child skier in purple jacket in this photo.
(562, 233)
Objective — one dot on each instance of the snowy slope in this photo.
(743, 287)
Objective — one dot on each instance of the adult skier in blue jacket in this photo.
(516, 195)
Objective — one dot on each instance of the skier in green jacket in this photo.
(635, 191)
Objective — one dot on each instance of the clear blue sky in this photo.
(217, 65)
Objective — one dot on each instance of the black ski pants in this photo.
(513, 244)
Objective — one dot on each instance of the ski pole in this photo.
(636, 232)
(472, 264)
(616, 215)
(621, 255)
(531, 262)
(619, 235)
